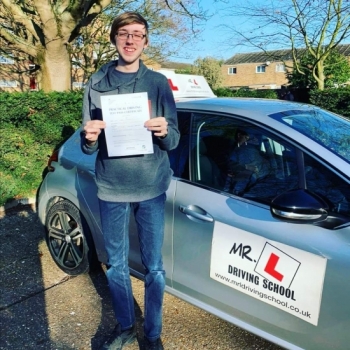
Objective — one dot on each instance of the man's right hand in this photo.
(92, 130)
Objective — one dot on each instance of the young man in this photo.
(132, 182)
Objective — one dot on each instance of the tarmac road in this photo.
(43, 308)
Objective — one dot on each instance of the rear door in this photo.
(234, 259)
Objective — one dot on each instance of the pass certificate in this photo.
(125, 116)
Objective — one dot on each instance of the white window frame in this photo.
(232, 70)
(78, 85)
(6, 60)
(280, 68)
(260, 69)
(8, 83)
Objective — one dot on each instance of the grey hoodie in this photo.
(132, 178)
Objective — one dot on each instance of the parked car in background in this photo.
(259, 238)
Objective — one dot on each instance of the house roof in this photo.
(275, 55)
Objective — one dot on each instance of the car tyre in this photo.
(68, 238)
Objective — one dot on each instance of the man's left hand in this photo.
(158, 125)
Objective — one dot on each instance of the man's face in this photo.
(130, 48)
(242, 138)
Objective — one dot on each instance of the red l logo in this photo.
(271, 265)
(172, 86)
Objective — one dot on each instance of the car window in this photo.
(329, 186)
(240, 158)
(329, 130)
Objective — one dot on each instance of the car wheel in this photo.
(68, 238)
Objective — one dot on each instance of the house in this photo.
(260, 70)
(17, 75)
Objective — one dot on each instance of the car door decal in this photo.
(277, 274)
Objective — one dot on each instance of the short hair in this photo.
(125, 19)
(242, 132)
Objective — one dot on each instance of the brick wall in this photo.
(17, 75)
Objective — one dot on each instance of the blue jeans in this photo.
(149, 217)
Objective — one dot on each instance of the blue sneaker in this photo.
(153, 345)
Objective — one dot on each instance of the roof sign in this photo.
(185, 85)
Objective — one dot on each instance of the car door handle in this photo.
(196, 212)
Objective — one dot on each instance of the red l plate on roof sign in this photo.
(172, 86)
(188, 86)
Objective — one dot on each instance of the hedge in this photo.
(32, 125)
(226, 92)
(334, 100)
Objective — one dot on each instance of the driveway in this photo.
(43, 308)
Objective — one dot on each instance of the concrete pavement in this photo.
(43, 308)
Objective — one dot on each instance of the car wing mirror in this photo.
(299, 206)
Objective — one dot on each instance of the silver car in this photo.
(261, 240)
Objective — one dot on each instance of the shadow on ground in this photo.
(41, 307)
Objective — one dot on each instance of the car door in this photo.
(284, 281)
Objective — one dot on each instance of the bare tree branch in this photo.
(47, 31)
(318, 26)
(20, 17)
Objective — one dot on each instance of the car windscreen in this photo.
(327, 129)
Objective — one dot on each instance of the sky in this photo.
(215, 38)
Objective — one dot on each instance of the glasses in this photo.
(125, 36)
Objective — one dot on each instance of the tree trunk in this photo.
(55, 68)
(320, 79)
(320, 84)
